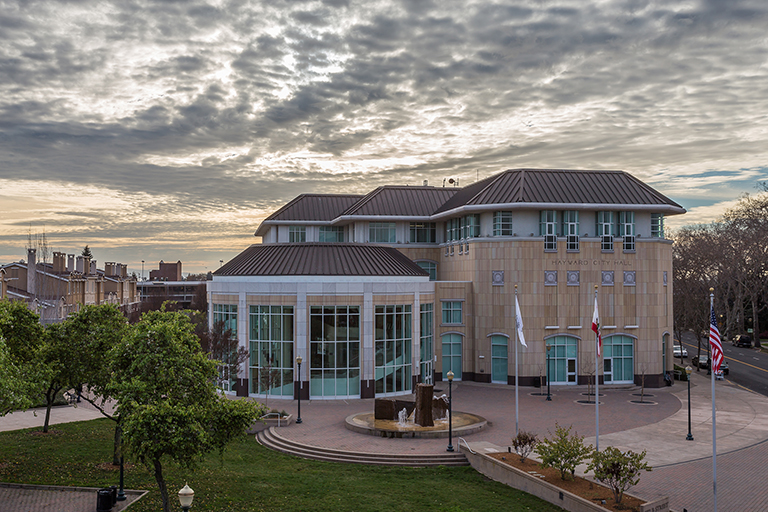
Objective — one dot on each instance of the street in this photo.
(748, 366)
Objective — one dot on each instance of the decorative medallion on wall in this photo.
(607, 277)
(497, 277)
(665, 278)
(573, 278)
(550, 278)
(629, 278)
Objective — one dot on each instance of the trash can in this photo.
(103, 500)
(113, 491)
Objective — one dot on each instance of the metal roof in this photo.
(320, 259)
(401, 201)
(559, 186)
(315, 207)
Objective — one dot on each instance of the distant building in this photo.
(166, 272)
(188, 294)
(379, 292)
(55, 290)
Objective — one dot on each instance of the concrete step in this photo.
(271, 439)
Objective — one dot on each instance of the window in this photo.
(452, 312)
(604, 230)
(423, 232)
(657, 225)
(571, 229)
(627, 230)
(392, 344)
(227, 314)
(271, 343)
(382, 232)
(452, 355)
(563, 359)
(429, 266)
(426, 346)
(502, 224)
(499, 359)
(618, 359)
(334, 351)
(331, 233)
(471, 226)
(451, 230)
(297, 234)
(548, 229)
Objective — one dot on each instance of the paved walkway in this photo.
(682, 469)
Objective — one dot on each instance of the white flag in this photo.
(519, 323)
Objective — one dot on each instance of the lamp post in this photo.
(450, 411)
(186, 495)
(549, 396)
(688, 371)
(298, 362)
(142, 270)
(121, 492)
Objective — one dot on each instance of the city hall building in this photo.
(379, 292)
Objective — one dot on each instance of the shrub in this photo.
(524, 444)
(618, 470)
(564, 451)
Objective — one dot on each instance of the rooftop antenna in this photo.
(443, 182)
(454, 182)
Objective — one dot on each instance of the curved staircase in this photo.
(274, 441)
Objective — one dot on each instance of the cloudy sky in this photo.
(168, 129)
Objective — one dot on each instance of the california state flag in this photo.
(596, 328)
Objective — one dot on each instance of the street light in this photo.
(142, 270)
(450, 412)
(549, 396)
(298, 362)
(121, 492)
(688, 371)
(186, 495)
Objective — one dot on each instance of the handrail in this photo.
(467, 445)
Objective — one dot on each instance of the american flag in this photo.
(714, 342)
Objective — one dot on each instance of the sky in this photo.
(167, 130)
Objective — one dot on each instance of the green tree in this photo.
(167, 397)
(19, 385)
(21, 329)
(92, 333)
(618, 470)
(86, 252)
(58, 361)
(564, 451)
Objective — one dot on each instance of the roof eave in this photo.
(656, 208)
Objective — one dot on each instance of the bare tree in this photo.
(221, 344)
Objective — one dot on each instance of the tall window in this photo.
(271, 341)
(605, 230)
(382, 232)
(334, 351)
(499, 359)
(331, 233)
(452, 355)
(422, 232)
(452, 230)
(563, 358)
(571, 229)
(618, 359)
(227, 314)
(502, 224)
(429, 266)
(471, 226)
(297, 233)
(657, 225)
(627, 230)
(426, 344)
(548, 229)
(452, 312)
(392, 340)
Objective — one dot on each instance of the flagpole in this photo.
(597, 385)
(714, 412)
(517, 414)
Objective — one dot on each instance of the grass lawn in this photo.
(249, 477)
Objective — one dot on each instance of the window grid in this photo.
(227, 314)
(452, 312)
(382, 232)
(605, 230)
(331, 233)
(548, 229)
(334, 351)
(429, 266)
(271, 343)
(502, 224)
(423, 232)
(426, 342)
(657, 225)
(392, 340)
(571, 230)
(627, 230)
(297, 234)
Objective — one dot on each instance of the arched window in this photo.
(563, 359)
(452, 355)
(618, 359)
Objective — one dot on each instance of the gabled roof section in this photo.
(559, 186)
(314, 207)
(401, 201)
(320, 259)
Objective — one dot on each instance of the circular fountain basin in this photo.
(365, 423)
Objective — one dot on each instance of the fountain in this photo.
(427, 417)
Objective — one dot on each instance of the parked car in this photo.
(677, 350)
(742, 340)
(702, 362)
